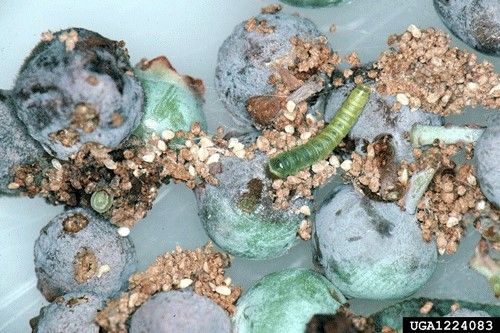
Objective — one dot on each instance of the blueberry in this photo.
(468, 313)
(476, 22)
(487, 159)
(238, 213)
(182, 312)
(285, 302)
(312, 3)
(172, 101)
(71, 313)
(78, 87)
(378, 119)
(17, 147)
(79, 251)
(246, 58)
(371, 249)
(392, 317)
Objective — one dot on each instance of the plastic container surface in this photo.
(189, 34)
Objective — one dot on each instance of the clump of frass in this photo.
(255, 50)
(453, 77)
(476, 22)
(371, 249)
(238, 213)
(17, 147)
(79, 251)
(180, 311)
(76, 87)
(201, 269)
(71, 313)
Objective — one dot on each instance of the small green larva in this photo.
(290, 162)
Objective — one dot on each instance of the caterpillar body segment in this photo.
(290, 162)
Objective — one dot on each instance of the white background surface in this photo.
(189, 34)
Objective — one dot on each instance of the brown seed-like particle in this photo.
(347, 73)
(254, 25)
(264, 109)
(353, 59)
(69, 39)
(271, 9)
(85, 265)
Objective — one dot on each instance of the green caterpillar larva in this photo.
(292, 161)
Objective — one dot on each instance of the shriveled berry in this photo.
(248, 57)
(79, 251)
(476, 22)
(75, 88)
(16, 146)
(71, 313)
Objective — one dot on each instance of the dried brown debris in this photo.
(132, 174)
(271, 9)
(202, 269)
(85, 265)
(67, 137)
(353, 59)
(85, 118)
(452, 200)
(452, 194)
(488, 223)
(377, 171)
(342, 321)
(265, 109)
(307, 58)
(296, 77)
(440, 78)
(260, 26)
(75, 223)
(305, 230)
